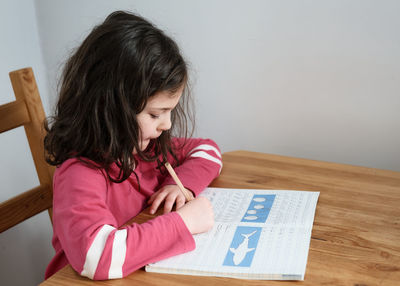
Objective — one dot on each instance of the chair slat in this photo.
(33, 202)
(25, 88)
(13, 115)
(27, 111)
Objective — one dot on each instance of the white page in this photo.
(258, 234)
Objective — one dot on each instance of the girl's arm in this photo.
(88, 232)
(200, 162)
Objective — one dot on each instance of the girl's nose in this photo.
(166, 123)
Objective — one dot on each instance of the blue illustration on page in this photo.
(259, 208)
(243, 246)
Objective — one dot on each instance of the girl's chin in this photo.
(143, 146)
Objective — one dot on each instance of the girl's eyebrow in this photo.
(161, 108)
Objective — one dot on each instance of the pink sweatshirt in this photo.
(89, 211)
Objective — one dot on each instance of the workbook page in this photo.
(258, 234)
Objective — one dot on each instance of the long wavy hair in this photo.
(105, 84)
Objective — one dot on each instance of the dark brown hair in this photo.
(105, 84)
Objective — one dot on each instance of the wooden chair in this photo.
(27, 111)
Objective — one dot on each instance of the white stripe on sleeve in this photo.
(207, 148)
(95, 251)
(118, 254)
(204, 155)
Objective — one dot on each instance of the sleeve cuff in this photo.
(186, 238)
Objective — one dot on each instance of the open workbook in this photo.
(258, 234)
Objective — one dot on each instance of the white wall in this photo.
(25, 250)
(312, 79)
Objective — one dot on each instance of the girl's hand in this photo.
(170, 195)
(198, 215)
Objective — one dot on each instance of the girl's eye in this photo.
(155, 116)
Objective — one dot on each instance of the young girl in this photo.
(121, 92)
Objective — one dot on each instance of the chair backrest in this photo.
(27, 110)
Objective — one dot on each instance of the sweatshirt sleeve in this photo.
(200, 162)
(89, 234)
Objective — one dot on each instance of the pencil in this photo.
(186, 193)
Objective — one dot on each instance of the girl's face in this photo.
(156, 116)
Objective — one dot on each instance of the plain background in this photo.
(310, 79)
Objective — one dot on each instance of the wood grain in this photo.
(25, 89)
(27, 111)
(356, 234)
(24, 206)
(13, 115)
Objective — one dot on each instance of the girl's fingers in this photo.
(170, 195)
(169, 203)
(180, 202)
(156, 201)
(152, 197)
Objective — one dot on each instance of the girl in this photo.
(121, 92)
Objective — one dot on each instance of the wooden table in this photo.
(356, 233)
